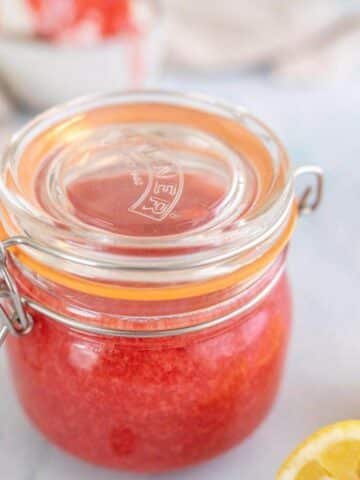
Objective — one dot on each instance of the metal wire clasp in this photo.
(311, 197)
(13, 318)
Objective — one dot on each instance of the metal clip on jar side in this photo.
(19, 322)
(310, 199)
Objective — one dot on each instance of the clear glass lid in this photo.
(146, 181)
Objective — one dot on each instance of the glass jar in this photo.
(144, 242)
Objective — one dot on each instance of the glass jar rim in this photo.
(248, 239)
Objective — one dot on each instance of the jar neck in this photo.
(88, 310)
(166, 291)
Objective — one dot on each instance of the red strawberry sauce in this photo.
(150, 404)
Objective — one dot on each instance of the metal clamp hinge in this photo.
(310, 199)
(13, 318)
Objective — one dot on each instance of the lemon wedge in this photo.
(332, 453)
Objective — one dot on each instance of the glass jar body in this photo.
(153, 404)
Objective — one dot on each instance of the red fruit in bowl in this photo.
(64, 19)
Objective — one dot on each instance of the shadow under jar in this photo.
(143, 254)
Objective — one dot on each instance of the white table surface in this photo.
(322, 383)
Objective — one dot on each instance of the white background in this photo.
(322, 383)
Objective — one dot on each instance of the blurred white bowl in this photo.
(40, 74)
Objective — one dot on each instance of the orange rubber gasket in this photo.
(157, 293)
